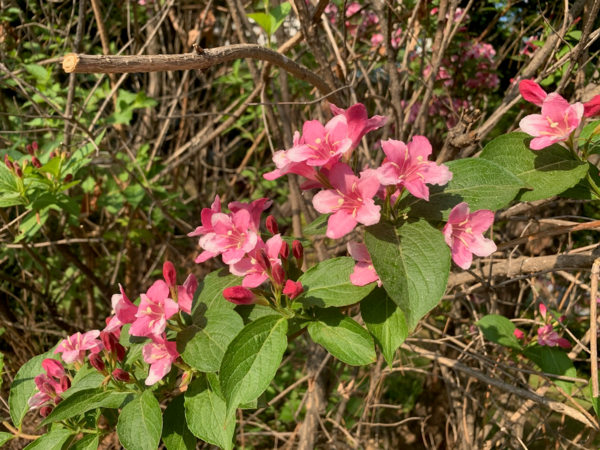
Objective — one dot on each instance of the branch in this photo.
(202, 59)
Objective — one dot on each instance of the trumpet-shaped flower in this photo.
(464, 234)
(323, 145)
(160, 354)
(239, 295)
(53, 368)
(547, 336)
(255, 209)
(232, 237)
(124, 311)
(556, 123)
(285, 165)
(74, 347)
(206, 218)
(364, 272)
(249, 267)
(592, 108)
(407, 166)
(185, 293)
(350, 200)
(155, 309)
(357, 121)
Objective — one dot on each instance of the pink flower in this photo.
(232, 237)
(249, 267)
(155, 309)
(53, 368)
(285, 165)
(364, 272)
(532, 92)
(352, 9)
(357, 120)
(293, 289)
(124, 311)
(350, 200)
(239, 295)
(407, 166)
(185, 293)
(255, 209)
(160, 354)
(74, 347)
(323, 145)
(592, 108)
(464, 234)
(555, 124)
(543, 311)
(206, 218)
(376, 39)
(518, 334)
(547, 336)
(49, 384)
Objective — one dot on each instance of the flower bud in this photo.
(518, 334)
(263, 260)
(272, 225)
(65, 383)
(97, 362)
(34, 146)
(68, 178)
(109, 340)
(298, 251)
(293, 289)
(185, 379)
(285, 250)
(170, 274)
(239, 295)
(45, 411)
(52, 154)
(8, 163)
(25, 163)
(67, 155)
(29, 149)
(120, 350)
(58, 399)
(121, 375)
(53, 368)
(278, 275)
(18, 170)
(36, 162)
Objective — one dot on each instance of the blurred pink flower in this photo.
(547, 336)
(364, 272)
(518, 334)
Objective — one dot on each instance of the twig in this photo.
(594, 328)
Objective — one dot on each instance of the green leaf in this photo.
(549, 171)
(278, 15)
(87, 442)
(328, 284)
(207, 416)
(54, 440)
(210, 292)
(263, 20)
(52, 167)
(499, 330)
(11, 200)
(40, 73)
(252, 359)
(583, 190)
(8, 183)
(61, 201)
(555, 361)
(5, 437)
(413, 262)
(134, 194)
(343, 337)
(385, 321)
(176, 434)
(140, 423)
(595, 400)
(203, 345)
(479, 182)
(86, 378)
(23, 387)
(319, 226)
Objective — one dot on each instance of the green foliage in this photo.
(318, 226)
(272, 20)
(87, 442)
(210, 292)
(53, 440)
(555, 361)
(140, 423)
(176, 435)
(500, 330)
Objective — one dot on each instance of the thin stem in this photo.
(594, 328)
(18, 433)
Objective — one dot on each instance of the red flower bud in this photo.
(45, 411)
(48, 389)
(518, 334)
(65, 383)
(293, 289)
(58, 399)
(97, 362)
(29, 149)
(52, 154)
(298, 251)
(285, 250)
(34, 146)
(278, 275)
(36, 162)
(239, 295)
(18, 170)
(263, 260)
(272, 225)
(68, 178)
(170, 274)
(109, 340)
(121, 375)
(8, 163)
(120, 350)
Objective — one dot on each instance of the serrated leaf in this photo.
(140, 423)
(176, 434)
(318, 226)
(413, 262)
(481, 183)
(5, 437)
(8, 183)
(203, 345)
(328, 284)
(54, 440)
(210, 292)
(87, 442)
(499, 330)
(40, 73)
(555, 361)
(583, 189)
(343, 337)
(206, 414)
(385, 321)
(134, 194)
(252, 359)
(83, 401)
(549, 171)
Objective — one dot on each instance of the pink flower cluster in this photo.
(50, 385)
(546, 334)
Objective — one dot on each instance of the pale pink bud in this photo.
(293, 289)
(170, 274)
(272, 225)
(239, 295)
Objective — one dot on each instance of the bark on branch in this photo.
(80, 63)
